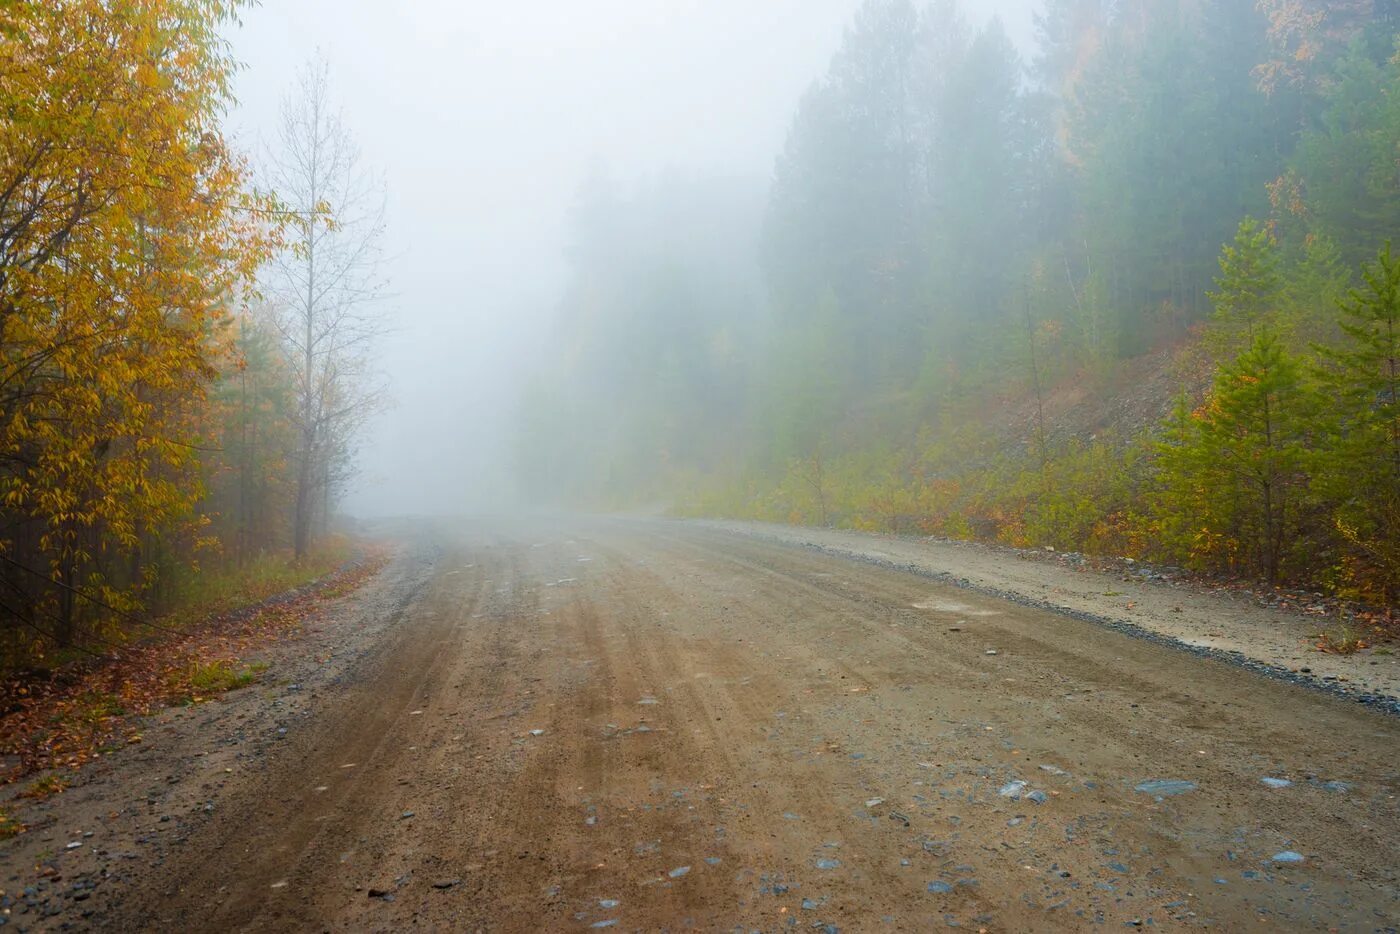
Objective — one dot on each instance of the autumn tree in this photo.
(1305, 35)
(125, 235)
(326, 287)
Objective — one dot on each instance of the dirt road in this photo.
(655, 726)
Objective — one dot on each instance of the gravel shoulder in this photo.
(1278, 642)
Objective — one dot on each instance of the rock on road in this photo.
(650, 725)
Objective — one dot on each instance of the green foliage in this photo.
(1233, 473)
(200, 590)
(249, 469)
(1315, 281)
(97, 706)
(217, 677)
(9, 826)
(1346, 161)
(1260, 478)
(41, 788)
(1247, 289)
(1171, 143)
(1360, 465)
(1087, 499)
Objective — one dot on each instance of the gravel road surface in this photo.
(567, 725)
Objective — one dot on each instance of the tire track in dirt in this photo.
(817, 750)
(311, 795)
(1232, 750)
(783, 807)
(1125, 670)
(623, 770)
(442, 760)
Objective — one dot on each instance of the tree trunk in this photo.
(305, 498)
(301, 529)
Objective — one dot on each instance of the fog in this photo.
(484, 119)
(390, 393)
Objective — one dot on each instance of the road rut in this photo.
(654, 726)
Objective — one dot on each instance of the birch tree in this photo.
(328, 286)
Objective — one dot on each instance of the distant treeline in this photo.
(157, 415)
(953, 233)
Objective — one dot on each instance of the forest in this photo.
(1130, 293)
(184, 328)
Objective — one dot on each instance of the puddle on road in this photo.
(950, 606)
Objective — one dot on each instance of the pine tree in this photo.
(1360, 467)
(1247, 289)
(1186, 519)
(1315, 279)
(1235, 473)
(1347, 161)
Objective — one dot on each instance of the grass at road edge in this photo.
(210, 592)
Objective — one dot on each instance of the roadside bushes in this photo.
(1287, 468)
(1232, 478)
(1290, 467)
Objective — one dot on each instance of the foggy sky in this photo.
(484, 118)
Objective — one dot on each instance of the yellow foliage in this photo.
(127, 235)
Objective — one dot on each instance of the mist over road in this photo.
(574, 724)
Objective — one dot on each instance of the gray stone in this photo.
(1013, 789)
(1166, 786)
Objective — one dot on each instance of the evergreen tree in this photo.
(1347, 162)
(1067, 31)
(1187, 520)
(1173, 143)
(846, 191)
(1314, 278)
(1247, 289)
(1235, 469)
(1360, 470)
(975, 228)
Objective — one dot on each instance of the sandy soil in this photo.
(662, 726)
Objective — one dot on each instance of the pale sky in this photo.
(484, 118)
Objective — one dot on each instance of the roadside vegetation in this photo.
(184, 335)
(1132, 297)
(54, 723)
